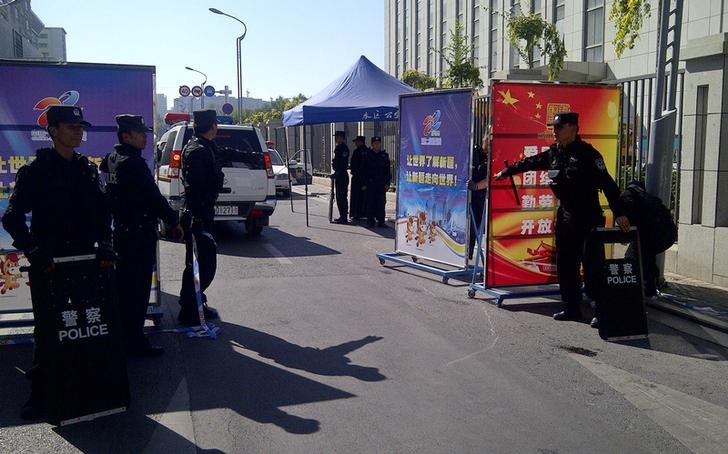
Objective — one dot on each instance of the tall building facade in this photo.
(24, 36)
(416, 32)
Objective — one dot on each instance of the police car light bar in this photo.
(171, 118)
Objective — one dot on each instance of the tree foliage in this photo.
(627, 16)
(274, 111)
(527, 31)
(461, 71)
(418, 79)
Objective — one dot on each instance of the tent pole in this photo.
(305, 171)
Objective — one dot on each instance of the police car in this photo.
(249, 189)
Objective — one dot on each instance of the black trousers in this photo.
(341, 183)
(136, 254)
(478, 204)
(206, 259)
(376, 203)
(358, 202)
(572, 251)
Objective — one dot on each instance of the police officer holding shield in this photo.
(70, 218)
(577, 172)
(136, 205)
(340, 165)
(203, 179)
(378, 178)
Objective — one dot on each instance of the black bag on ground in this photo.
(657, 228)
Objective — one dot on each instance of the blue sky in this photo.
(291, 47)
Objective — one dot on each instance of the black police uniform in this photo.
(479, 166)
(379, 176)
(358, 203)
(70, 215)
(203, 180)
(577, 173)
(341, 179)
(136, 205)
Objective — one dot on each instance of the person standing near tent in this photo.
(358, 202)
(379, 176)
(577, 173)
(478, 184)
(340, 165)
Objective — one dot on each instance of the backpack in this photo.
(653, 219)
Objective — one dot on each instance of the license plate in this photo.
(226, 210)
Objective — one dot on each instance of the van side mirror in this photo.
(292, 162)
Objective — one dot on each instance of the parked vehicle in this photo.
(295, 168)
(249, 191)
(283, 184)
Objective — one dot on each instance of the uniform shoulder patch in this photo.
(600, 164)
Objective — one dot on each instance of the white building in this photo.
(52, 43)
(19, 31)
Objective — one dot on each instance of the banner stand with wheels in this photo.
(520, 256)
(432, 217)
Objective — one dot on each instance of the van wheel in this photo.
(253, 228)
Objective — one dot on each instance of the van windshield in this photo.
(238, 148)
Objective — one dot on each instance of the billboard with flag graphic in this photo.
(521, 245)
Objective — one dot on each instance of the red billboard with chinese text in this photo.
(521, 243)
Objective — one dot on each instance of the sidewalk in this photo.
(691, 299)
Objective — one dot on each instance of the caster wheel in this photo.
(444, 280)
(471, 293)
(381, 261)
(414, 259)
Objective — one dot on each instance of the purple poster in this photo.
(102, 91)
(434, 167)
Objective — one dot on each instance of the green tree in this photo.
(418, 79)
(274, 111)
(528, 31)
(461, 71)
(627, 16)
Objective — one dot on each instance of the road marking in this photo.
(277, 254)
(699, 425)
(177, 419)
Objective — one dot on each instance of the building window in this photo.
(493, 38)
(44, 35)
(560, 15)
(515, 59)
(405, 52)
(443, 33)
(536, 8)
(594, 31)
(701, 121)
(476, 31)
(17, 44)
(396, 39)
(430, 37)
(418, 49)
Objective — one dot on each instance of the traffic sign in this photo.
(227, 108)
(196, 91)
(184, 90)
(209, 90)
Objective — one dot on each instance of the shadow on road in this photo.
(233, 240)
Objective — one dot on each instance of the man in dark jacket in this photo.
(379, 176)
(70, 217)
(577, 173)
(478, 184)
(136, 204)
(203, 180)
(358, 203)
(340, 165)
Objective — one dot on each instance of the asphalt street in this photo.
(325, 350)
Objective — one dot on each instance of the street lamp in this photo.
(240, 66)
(202, 98)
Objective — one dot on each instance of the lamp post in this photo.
(202, 98)
(240, 66)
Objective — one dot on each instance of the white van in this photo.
(249, 189)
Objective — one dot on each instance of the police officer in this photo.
(136, 205)
(358, 206)
(340, 165)
(478, 184)
(203, 180)
(379, 176)
(70, 216)
(577, 173)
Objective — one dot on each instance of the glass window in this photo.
(594, 31)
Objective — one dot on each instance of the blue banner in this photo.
(434, 167)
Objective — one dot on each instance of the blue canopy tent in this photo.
(363, 93)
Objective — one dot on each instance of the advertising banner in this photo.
(434, 167)
(103, 91)
(521, 243)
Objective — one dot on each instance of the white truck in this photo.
(249, 189)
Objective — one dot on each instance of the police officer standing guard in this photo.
(358, 205)
(136, 205)
(478, 184)
(577, 172)
(379, 176)
(70, 215)
(203, 179)
(340, 164)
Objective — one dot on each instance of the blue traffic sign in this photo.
(209, 90)
(227, 108)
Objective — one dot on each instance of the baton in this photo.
(513, 184)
